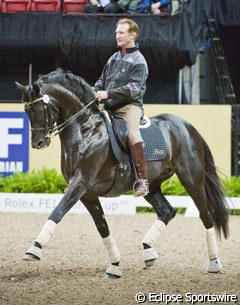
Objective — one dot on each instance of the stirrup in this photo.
(144, 188)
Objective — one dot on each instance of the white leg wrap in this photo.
(46, 232)
(149, 254)
(211, 243)
(114, 270)
(37, 252)
(214, 265)
(154, 233)
(112, 249)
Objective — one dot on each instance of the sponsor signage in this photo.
(14, 142)
(124, 204)
(45, 203)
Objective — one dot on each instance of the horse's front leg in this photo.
(71, 196)
(165, 213)
(94, 207)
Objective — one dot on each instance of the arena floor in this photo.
(73, 267)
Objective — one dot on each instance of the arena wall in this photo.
(212, 121)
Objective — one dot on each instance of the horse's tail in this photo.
(216, 201)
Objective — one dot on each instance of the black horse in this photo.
(63, 103)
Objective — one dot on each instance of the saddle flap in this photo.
(121, 130)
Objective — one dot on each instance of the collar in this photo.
(131, 50)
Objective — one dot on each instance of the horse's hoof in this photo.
(113, 272)
(149, 256)
(150, 263)
(111, 276)
(30, 257)
(214, 265)
(33, 254)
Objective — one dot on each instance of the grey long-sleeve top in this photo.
(124, 78)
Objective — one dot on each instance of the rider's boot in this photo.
(140, 186)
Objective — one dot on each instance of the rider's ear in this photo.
(20, 87)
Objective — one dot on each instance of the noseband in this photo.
(48, 106)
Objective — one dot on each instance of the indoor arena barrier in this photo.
(124, 204)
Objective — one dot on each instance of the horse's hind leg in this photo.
(165, 213)
(197, 192)
(95, 209)
(214, 263)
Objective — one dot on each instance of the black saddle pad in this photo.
(154, 143)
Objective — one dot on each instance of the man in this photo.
(122, 7)
(96, 6)
(121, 88)
(157, 6)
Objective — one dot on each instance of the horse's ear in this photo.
(36, 89)
(20, 87)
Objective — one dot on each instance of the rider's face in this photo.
(123, 37)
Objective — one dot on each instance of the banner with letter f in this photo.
(14, 142)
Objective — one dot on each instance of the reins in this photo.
(58, 128)
(63, 125)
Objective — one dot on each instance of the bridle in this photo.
(48, 108)
(49, 127)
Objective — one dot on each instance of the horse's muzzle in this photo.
(41, 143)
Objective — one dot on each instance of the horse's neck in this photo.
(84, 136)
(67, 102)
(87, 122)
(69, 105)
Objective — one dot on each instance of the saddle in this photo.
(121, 130)
(154, 147)
(154, 143)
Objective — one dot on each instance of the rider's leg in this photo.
(138, 156)
(132, 114)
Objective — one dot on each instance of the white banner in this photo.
(45, 203)
(124, 204)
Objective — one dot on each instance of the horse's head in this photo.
(41, 112)
(56, 98)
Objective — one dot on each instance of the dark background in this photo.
(83, 43)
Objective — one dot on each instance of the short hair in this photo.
(133, 26)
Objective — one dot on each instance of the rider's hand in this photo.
(101, 95)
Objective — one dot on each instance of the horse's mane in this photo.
(73, 83)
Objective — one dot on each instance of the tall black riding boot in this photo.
(140, 186)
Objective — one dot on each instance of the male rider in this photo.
(121, 88)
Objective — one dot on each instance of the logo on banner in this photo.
(14, 142)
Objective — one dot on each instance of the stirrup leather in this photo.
(141, 187)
